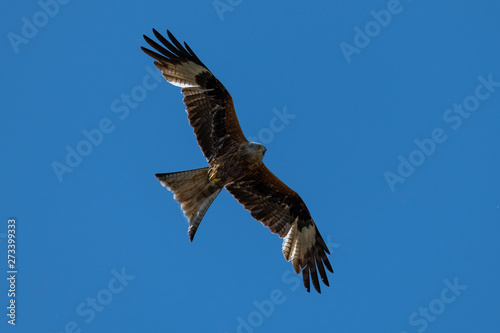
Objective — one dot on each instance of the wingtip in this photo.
(321, 242)
(328, 265)
(156, 33)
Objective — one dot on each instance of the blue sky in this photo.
(382, 115)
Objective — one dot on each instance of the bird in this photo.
(234, 163)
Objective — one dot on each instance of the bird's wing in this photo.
(209, 105)
(282, 210)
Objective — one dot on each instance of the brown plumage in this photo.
(234, 163)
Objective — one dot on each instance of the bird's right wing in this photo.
(209, 105)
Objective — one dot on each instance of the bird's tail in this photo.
(194, 191)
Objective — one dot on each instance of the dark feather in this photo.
(278, 207)
(208, 104)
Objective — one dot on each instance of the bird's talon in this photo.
(215, 180)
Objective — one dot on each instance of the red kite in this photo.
(234, 163)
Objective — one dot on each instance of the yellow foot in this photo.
(214, 179)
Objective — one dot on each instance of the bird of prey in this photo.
(234, 163)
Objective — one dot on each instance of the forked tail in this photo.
(194, 191)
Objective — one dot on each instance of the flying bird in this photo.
(234, 163)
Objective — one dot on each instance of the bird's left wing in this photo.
(282, 210)
(209, 105)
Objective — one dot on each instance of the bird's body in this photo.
(234, 163)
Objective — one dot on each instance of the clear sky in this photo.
(383, 115)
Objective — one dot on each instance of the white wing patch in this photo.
(181, 75)
(297, 243)
(289, 241)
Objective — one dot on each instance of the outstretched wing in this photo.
(209, 106)
(282, 210)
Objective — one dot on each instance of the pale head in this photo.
(256, 150)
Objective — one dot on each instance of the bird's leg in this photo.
(214, 179)
(212, 176)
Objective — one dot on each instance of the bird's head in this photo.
(256, 149)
